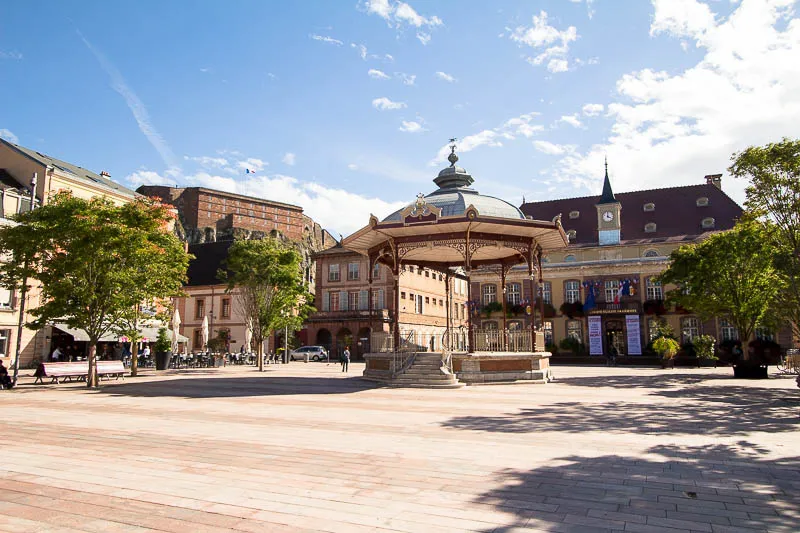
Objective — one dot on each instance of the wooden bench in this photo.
(60, 372)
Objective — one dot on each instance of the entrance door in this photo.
(615, 336)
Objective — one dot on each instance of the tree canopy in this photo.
(730, 275)
(774, 194)
(267, 282)
(95, 262)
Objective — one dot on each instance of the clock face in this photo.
(608, 216)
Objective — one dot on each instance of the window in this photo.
(612, 289)
(652, 328)
(569, 258)
(199, 309)
(651, 253)
(702, 201)
(419, 308)
(376, 271)
(515, 325)
(654, 291)
(547, 292)
(649, 207)
(489, 293)
(727, 331)
(427, 300)
(548, 332)
(441, 303)
(572, 234)
(514, 293)
(352, 300)
(226, 308)
(334, 301)
(575, 330)
(378, 300)
(572, 291)
(574, 214)
(419, 271)
(197, 343)
(650, 227)
(708, 223)
(333, 272)
(764, 334)
(402, 296)
(690, 328)
(5, 298)
(24, 205)
(427, 273)
(352, 271)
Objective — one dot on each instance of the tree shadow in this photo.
(225, 387)
(724, 411)
(657, 381)
(692, 488)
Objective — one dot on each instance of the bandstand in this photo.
(456, 230)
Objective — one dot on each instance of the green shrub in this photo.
(665, 347)
(704, 346)
(162, 343)
(572, 344)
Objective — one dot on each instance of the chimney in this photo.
(105, 174)
(715, 180)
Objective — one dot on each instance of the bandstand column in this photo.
(503, 293)
(469, 313)
(396, 325)
(532, 307)
(448, 303)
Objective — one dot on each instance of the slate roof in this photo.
(209, 258)
(676, 214)
(75, 171)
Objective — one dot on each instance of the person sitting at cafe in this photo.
(5, 379)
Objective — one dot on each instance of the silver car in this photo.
(314, 353)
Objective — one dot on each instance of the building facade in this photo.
(346, 317)
(604, 281)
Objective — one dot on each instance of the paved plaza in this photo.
(303, 447)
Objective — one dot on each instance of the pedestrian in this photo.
(612, 356)
(5, 380)
(345, 358)
(56, 354)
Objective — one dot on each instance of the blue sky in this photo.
(345, 108)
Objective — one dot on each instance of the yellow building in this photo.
(603, 281)
(18, 166)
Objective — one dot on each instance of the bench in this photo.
(60, 372)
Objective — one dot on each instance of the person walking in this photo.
(345, 358)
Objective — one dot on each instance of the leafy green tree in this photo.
(730, 274)
(774, 193)
(267, 282)
(94, 261)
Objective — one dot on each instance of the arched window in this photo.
(574, 214)
(649, 207)
(702, 201)
(650, 227)
(708, 223)
(489, 293)
(514, 293)
(569, 258)
(651, 253)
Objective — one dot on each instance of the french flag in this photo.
(248, 171)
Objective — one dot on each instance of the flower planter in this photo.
(668, 363)
(707, 362)
(162, 360)
(747, 370)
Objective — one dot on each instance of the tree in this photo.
(267, 282)
(730, 275)
(95, 262)
(774, 193)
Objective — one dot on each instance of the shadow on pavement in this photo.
(223, 387)
(658, 381)
(719, 487)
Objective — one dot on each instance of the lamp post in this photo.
(23, 294)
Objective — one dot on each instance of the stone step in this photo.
(456, 385)
(424, 382)
(417, 377)
(428, 370)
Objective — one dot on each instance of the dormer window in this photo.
(702, 201)
(649, 207)
(572, 234)
(708, 223)
(651, 253)
(569, 258)
(574, 214)
(650, 227)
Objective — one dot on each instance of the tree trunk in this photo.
(91, 378)
(134, 359)
(260, 354)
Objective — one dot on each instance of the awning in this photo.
(148, 333)
(151, 334)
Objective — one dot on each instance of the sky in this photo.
(346, 107)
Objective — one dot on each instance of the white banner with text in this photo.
(634, 336)
(595, 335)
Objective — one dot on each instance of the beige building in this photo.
(18, 166)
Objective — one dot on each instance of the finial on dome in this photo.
(453, 158)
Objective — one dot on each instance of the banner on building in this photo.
(634, 336)
(595, 335)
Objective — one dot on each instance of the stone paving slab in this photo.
(304, 447)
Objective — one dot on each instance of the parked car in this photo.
(314, 353)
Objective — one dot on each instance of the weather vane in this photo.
(453, 157)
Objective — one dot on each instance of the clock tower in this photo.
(608, 215)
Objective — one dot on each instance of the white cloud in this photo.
(572, 120)
(549, 148)
(408, 79)
(445, 77)
(509, 130)
(352, 166)
(8, 135)
(10, 54)
(400, 15)
(205, 69)
(377, 74)
(384, 103)
(252, 164)
(682, 125)
(592, 110)
(326, 39)
(289, 158)
(135, 105)
(208, 162)
(362, 50)
(552, 44)
(411, 126)
(147, 177)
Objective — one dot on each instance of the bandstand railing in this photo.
(500, 340)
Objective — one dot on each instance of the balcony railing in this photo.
(377, 314)
(484, 340)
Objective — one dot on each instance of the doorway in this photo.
(615, 336)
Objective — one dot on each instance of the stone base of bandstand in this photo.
(478, 368)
